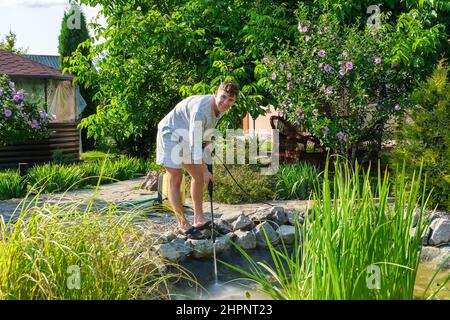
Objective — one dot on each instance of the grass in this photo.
(351, 246)
(53, 177)
(296, 181)
(11, 185)
(67, 252)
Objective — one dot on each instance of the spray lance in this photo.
(213, 236)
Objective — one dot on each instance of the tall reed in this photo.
(353, 245)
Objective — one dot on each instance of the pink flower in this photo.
(289, 86)
(298, 81)
(320, 65)
(53, 116)
(289, 75)
(377, 60)
(327, 68)
(296, 122)
(298, 111)
(307, 38)
(397, 107)
(301, 117)
(340, 135)
(42, 114)
(374, 33)
(325, 130)
(342, 72)
(11, 84)
(315, 111)
(274, 76)
(281, 67)
(266, 60)
(288, 65)
(329, 90)
(1, 92)
(20, 106)
(301, 28)
(321, 53)
(349, 65)
(7, 112)
(345, 53)
(34, 124)
(281, 114)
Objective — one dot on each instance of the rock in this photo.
(286, 233)
(169, 236)
(223, 243)
(201, 248)
(231, 216)
(243, 223)
(436, 255)
(279, 216)
(260, 237)
(440, 231)
(303, 212)
(175, 251)
(262, 214)
(245, 239)
(291, 216)
(223, 227)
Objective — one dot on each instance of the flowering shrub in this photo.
(20, 118)
(338, 83)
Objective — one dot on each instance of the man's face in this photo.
(224, 100)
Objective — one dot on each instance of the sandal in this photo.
(191, 233)
(207, 224)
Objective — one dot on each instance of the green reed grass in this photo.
(42, 248)
(11, 185)
(350, 236)
(296, 181)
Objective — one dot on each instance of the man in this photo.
(181, 132)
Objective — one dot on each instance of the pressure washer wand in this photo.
(213, 237)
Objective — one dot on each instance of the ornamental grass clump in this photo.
(353, 245)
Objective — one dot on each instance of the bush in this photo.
(259, 187)
(20, 117)
(296, 181)
(425, 136)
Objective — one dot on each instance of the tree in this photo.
(9, 44)
(74, 32)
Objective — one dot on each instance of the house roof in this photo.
(15, 65)
(51, 61)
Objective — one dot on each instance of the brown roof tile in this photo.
(17, 66)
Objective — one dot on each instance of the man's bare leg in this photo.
(175, 178)
(197, 183)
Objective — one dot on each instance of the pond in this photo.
(231, 285)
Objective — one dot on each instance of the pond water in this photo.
(231, 285)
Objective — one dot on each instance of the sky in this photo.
(37, 23)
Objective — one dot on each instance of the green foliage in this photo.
(347, 236)
(424, 135)
(59, 253)
(9, 44)
(73, 32)
(59, 156)
(258, 187)
(296, 182)
(343, 84)
(20, 117)
(11, 185)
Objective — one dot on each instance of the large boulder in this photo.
(286, 233)
(291, 215)
(261, 214)
(223, 243)
(231, 216)
(177, 250)
(440, 231)
(270, 231)
(201, 248)
(279, 216)
(243, 223)
(223, 226)
(245, 239)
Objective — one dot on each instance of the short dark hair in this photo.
(230, 87)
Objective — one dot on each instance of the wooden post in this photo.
(23, 168)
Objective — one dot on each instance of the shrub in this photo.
(258, 187)
(425, 136)
(20, 117)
